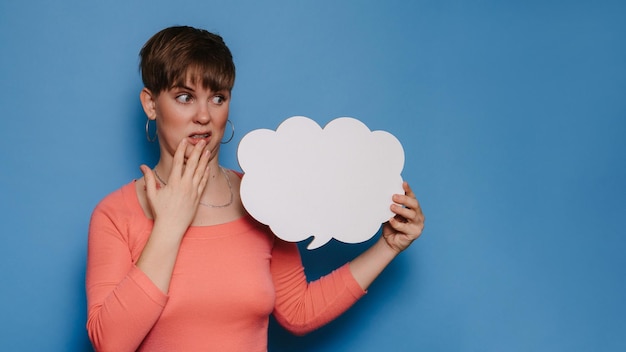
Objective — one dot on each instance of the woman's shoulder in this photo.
(123, 199)
(119, 216)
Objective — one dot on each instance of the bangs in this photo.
(209, 76)
(179, 56)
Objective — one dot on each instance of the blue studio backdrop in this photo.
(512, 115)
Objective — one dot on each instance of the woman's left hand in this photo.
(408, 223)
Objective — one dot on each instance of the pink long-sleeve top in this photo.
(227, 280)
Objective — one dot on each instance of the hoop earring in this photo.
(232, 134)
(151, 140)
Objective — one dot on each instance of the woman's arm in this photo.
(173, 207)
(401, 230)
(123, 304)
(303, 306)
(125, 299)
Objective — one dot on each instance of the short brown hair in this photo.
(178, 53)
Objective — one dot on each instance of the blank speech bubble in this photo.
(336, 182)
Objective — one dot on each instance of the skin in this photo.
(185, 111)
(193, 175)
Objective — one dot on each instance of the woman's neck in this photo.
(164, 169)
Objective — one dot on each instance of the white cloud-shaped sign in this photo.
(335, 182)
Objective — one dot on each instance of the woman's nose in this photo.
(203, 115)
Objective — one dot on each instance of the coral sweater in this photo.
(227, 280)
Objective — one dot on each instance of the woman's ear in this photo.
(148, 102)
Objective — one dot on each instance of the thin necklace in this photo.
(230, 189)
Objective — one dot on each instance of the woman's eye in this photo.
(218, 99)
(183, 98)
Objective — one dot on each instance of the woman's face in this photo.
(190, 112)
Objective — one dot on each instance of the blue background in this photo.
(512, 115)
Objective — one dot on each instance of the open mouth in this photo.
(200, 136)
(197, 137)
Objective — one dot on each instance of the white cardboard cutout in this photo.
(305, 181)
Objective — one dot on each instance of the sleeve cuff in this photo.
(351, 284)
(147, 286)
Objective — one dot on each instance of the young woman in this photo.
(174, 262)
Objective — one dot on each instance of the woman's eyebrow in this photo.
(182, 86)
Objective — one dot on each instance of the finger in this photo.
(409, 229)
(149, 179)
(406, 213)
(406, 201)
(179, 161)
(202, 168)
(193, 160)
(411, 213)
(398, 225)
(409, 199)
(407, 189)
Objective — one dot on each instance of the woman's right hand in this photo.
(174, 205)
